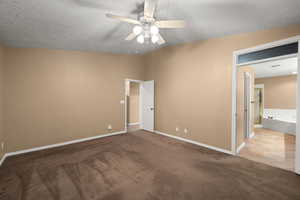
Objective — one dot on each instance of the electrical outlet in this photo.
(109, 127)
(177, 129)
(185, 130)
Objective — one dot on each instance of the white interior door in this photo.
(147, 105)
(247, 104)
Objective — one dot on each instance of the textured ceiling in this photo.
(281, 67)
(81, 24)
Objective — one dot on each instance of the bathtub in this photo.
(281, 120)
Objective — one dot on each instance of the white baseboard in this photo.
(2, 159)
(196, 143)
(58, 145)
(133, 124)
(252, 135)
(240, 147)
(297, 171)
(258, 126)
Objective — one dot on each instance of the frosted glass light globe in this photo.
(154, 39)
(140, 39)
(137, 30)
(154, 30)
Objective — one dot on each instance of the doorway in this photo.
(275, 51)
(133, 105)
(139, 105)
(269, 129)
(258, 105)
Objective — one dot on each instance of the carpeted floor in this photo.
(141, 166)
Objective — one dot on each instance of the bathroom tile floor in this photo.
(272, 148)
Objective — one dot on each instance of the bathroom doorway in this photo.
(267, 101)
(139, 105)
(133, 122)
(274, 119)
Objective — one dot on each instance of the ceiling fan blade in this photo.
(170, 24)
(149, 8)
(160, 40)
(131, 36)
(123, 19)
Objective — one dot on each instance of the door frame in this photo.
(247, 104)
(235, 67)
(262, 87)
(127, 82)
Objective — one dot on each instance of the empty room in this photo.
(149, 100)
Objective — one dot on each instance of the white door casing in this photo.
(297, 161)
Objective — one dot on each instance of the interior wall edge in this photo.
(2, 135)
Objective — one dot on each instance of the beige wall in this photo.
(279, 92)
(193, 84)
(2, 151)
(54, 96)
(133, 103)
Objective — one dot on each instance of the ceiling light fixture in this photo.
(154, 30)
(154, 39)
(140, 39)
(137, 30)
(147, 25)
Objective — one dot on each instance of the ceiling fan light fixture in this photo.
(140, 39)
(154, 30)
(154, 39)
(137, 30)
(146, 27)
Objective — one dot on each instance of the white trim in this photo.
(297, 160)
(252, 135)
(132, 80)
(268, 45)
(140, 106)
(233, 106)
(133, 124)
(126, 82)
(59, 145)
(194, 142)
(234, 92)
(3, 158)
(240, 147)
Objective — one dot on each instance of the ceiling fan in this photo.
(147, 27)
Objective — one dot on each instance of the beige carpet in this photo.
(141, 166)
